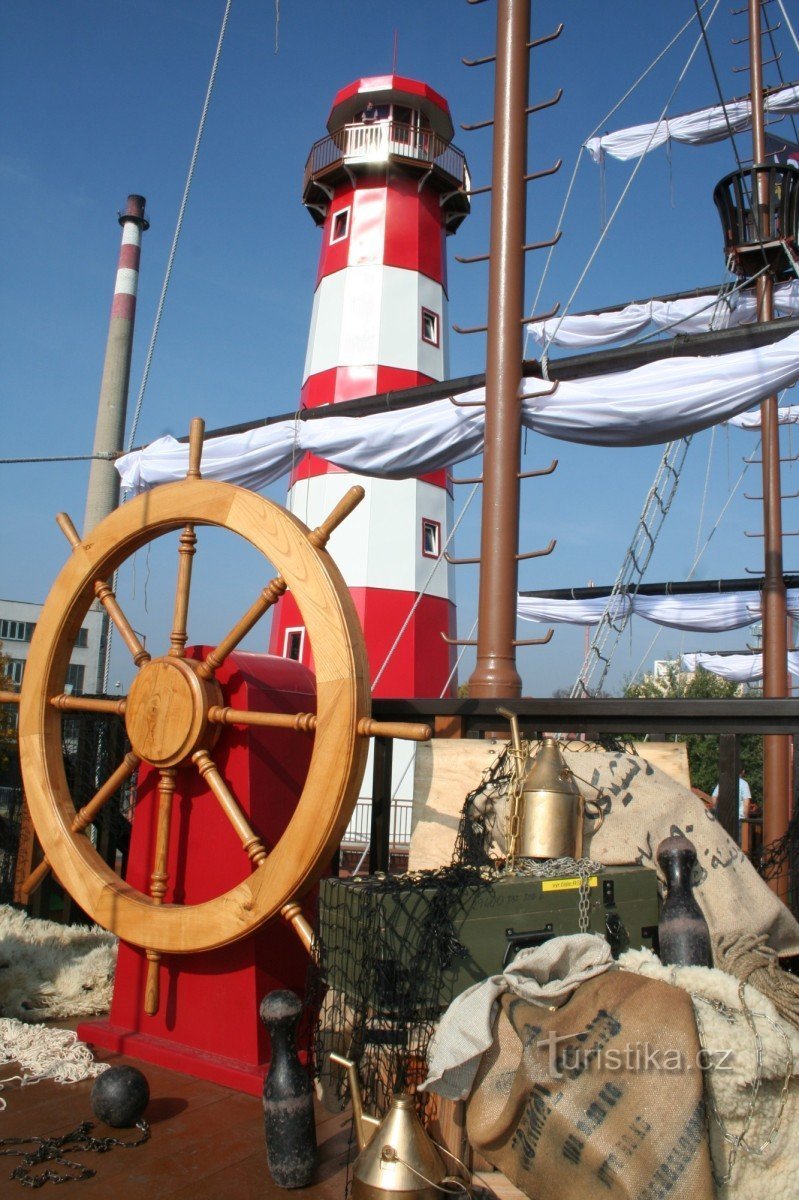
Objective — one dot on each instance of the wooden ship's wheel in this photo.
(175, 708)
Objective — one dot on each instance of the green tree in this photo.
(703, 749)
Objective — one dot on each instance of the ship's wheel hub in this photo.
(166, 715)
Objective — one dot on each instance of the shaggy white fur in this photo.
(53, 971)
(730, 1084)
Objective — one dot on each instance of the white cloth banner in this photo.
(654, 403)
(700, 612)
(737, 668)
(694, 314)
(694, 128)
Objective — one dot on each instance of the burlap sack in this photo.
(750, 1050)
(642, 806)
(601, 1097)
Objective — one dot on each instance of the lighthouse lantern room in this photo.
(386, 186)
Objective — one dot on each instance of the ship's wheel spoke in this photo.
(159, 879)
(84, 816)
(366, 727)
(105, 595)
(186, 550)
(250, 841)
(306, 723)
(299, 722)
(160, 876)
(121, 623)
(318, 538)
(269, 596)
(95, 704)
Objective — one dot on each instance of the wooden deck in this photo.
(207, 1143)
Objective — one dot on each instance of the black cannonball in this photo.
(120, 1096)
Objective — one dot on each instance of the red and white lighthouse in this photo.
(386, 186)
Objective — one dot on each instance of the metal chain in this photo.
(737, 1141)
(513, 803)
(584, 902)
(78, 1141)
(560, 868)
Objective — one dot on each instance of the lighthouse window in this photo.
(429, 327)
(340, 227)
(293, 644)
(431, 538)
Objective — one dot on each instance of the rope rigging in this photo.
(607, 225)
(661, 495)
(179, 225)
(594, 132)
(165, 287)
(613, 622)
(694, 565)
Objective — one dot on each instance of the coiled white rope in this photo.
(44, 1053)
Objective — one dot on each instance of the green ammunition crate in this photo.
(527, 911)
(489, 924)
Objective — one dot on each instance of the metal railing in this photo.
(729, 719)
(381, 140)
(358, 832)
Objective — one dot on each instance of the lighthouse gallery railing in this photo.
(381, 140)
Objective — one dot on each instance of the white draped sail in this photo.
(751, 420)
(699, 612)
(652, 404)
(571, 612)
(738, 668)
(694, 128)
(691, 314)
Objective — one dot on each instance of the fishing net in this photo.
(386, 957)
(780, 860)
(93, 746)
(476, 844)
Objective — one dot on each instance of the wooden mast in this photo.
(495, 672)
(776, 750)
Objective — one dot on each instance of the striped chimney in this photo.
(102, 496)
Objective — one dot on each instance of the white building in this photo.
(17, 622)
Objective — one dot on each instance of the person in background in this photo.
(745, 806)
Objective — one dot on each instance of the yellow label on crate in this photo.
(565, 885)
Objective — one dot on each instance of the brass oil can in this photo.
(552, 808)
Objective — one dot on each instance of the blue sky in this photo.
(102, 99)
